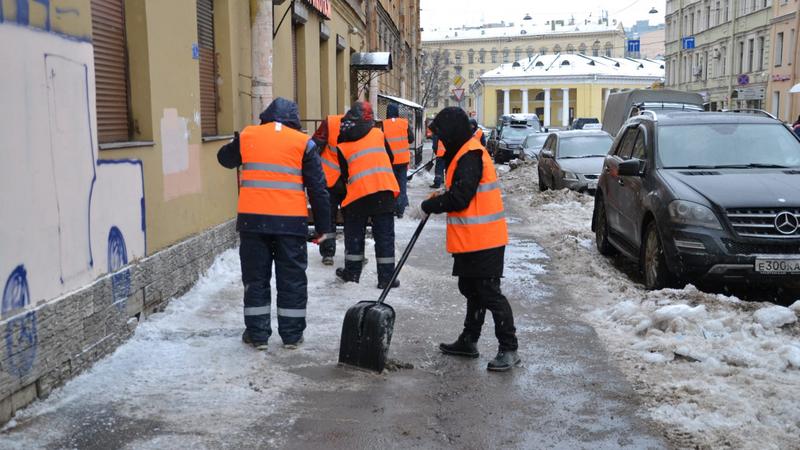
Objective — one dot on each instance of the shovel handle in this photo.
(420, 168)
(403, 258)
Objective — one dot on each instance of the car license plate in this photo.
(592, 185)
(777, 266)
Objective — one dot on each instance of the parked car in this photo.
(508, 145)
(573, 160)
(533, 144)
(528, 120)
(580, 122)
(702, 196)
(623, 105)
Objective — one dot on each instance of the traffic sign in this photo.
(458, 81)
(458, 94)
(688, 43)
(634, 45)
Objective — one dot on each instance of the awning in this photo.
(795, 89)
(377, 61)
(402, 101)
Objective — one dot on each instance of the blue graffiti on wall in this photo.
(117, 259)
(23, 12)
(20, 335)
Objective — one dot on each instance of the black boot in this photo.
(463, 346)
(382, 284)
(346, 276)
(505, 360)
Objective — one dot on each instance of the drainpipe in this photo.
(732, 46)
(261, 48)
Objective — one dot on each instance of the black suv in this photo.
(702, 195)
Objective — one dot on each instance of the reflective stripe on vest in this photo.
(330, 154)
(396, 131)
(369, 170)
(272, 171)
(481, 225)
(440, 150)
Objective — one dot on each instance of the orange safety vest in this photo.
(482, 225)
(329, 155)
(396, 131)
(368, 167)
(271, 182)
(478, 134)
(440, 149)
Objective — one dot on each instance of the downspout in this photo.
(733, 45)
(261, 54)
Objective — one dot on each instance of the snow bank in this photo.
(713, 371)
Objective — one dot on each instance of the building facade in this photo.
(651, 40)
(469, 52)
(783, 70)
(559, 88)
(395, 29)
(720, 49)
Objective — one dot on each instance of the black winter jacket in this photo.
(229, 156)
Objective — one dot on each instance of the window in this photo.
(625, 148)
(494, 56)
(471, 74)
(557, 49)
(111, 71)
(582, 49)
(482, 56)
(779, 49)
(570, 49)
(741, 57)
(776, 103)
(517, 54)
(727, 10)
(708, 17)
(724, 61)
(691, 24)
(447, 57)
(718, 14)
(543, 51)
(609, 47)
(208, 67)
(792, 43)
(529, 52)
(639, 148)
(760, 63)
(471, 56)
(458, 57)
(505, 55)
(750, 45)
(458, 70)
(705, 65)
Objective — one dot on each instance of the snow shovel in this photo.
(411, 175)
(367, 328)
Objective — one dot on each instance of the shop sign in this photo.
(781, 78)
(322, 6)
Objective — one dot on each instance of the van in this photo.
(623, 105)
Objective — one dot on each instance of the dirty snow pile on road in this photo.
(712, 370)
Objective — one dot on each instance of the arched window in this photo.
(494, 56)
(543, 51)
(570, 49)
(446, 57)
(582, 49)
(609, 49)
(557, 49)
(458, 56)
(505, 55)
(539, 97)
(529, 51)
(471, 56)
(482, 56)
(596, 48)
(517, 54)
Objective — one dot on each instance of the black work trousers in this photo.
(328, 247)
(483, 294)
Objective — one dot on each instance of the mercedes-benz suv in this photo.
(702, 195)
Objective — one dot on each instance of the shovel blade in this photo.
(366, 335)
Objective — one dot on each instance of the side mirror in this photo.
(547, 154)
(630, 168)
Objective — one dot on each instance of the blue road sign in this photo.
(634, 45)
(688, 43)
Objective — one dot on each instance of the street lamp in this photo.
(653, 10)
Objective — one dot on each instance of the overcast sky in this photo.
(449, 13)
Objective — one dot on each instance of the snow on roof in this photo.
(576, 65)
(525, 28)
(401, 101)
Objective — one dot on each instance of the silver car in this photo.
(573, 160)
(533, 144)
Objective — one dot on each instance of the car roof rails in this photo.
(751, 110)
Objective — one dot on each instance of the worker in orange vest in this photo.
(476, 237)
(278, 164)
(399, 138)
(326, 138)
(438, 150)
(366, 164)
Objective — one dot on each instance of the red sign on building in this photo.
(322, 6)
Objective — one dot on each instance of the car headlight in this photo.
(690, 213)
(570, 176)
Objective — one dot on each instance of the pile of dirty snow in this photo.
(712, 370)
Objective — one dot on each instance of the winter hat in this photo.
(283, 111)
(452, 127)
(392, 111)
(359, 114)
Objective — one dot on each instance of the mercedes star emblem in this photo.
(786, 223)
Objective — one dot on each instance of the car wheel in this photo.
(542, 184)
(654, 262)
(601, 229)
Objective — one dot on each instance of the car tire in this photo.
(654, 261)
(542, 184)
(601, 229)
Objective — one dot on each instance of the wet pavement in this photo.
(193, 384)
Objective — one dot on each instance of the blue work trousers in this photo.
(257, 252)
(355, 230)
(401, 173)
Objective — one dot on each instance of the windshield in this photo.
(727, 145)
(584, 146)
(535, 141)
(515, 134)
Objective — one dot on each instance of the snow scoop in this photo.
(427, 164)
(367, 328)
